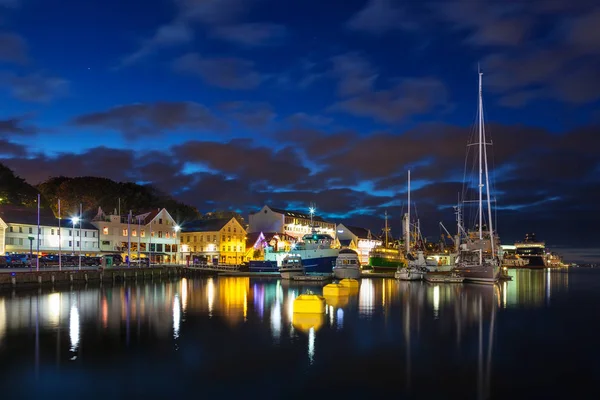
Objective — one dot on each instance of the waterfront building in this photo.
(291, 223)
(358, 239)
(216, 241)
(155, 233)
(19, 233)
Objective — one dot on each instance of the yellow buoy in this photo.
(309, 304)
(335, 289)
(304, 321)
(349, 283)
(337, 301)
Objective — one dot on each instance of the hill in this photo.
(14, 190)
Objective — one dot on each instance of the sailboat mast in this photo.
(407, 240)
(480, 168)
(386, 229)
(487, 186)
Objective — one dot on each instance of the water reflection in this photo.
(416, 320)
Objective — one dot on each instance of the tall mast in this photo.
(480, 168)
(386, 229)
(487, 183)
(407, 240)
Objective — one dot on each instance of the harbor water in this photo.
(238, 337)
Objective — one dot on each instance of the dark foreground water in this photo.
(534, 337)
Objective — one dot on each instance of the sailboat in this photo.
(416, 266)
(477, 260)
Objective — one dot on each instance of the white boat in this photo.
(409, 274)
(472, 263)
(452, 277)
(347, 265)
(291, 266)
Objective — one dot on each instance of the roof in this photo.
(361, 233)
(295, 214)
(205, 225)
(345, 242)
(28, 216)
(148, 216)
(347, 251)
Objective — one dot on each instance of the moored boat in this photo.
(291, 266)
(409, 274)
(347, 265)
(436, 277)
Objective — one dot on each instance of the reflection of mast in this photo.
(484, 373)
(407, 340)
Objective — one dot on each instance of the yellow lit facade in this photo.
(219, 241)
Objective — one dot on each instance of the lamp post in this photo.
(30, 237)
(177, 228)
(75, 221)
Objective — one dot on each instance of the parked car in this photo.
(3, 262)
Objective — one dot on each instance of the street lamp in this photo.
(177, 228)
(75, 221)
(30, 237)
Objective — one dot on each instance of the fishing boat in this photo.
(386, 257)
(347, 265)
(477, 260)
(291, 266)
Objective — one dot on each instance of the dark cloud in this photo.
(152, 119)
(227, 72)
(250, 114)
(251, 34)
(380, 16)
(10, 149)
(37, 87)
(354, 72)
(242, 159)
(16, 126)
(408, 98)
(304, 119)
(13, 48)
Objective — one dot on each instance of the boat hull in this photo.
(346, 273)
(317, 260)
(534, 262)
(263, 266)
(444, 278)
(380, 264)
(408, 275)
(479, 274)
(288, 273)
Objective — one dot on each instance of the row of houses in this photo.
(156, 235)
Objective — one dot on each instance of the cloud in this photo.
(8, 148)
(13, 48)
(251, 34)
(355, 73)
(226, 72)
(135, 121)
(36, 87)
(250, 114)
(410, 97)
(380, 16)
(16, 126)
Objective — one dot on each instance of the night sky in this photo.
(231, 104)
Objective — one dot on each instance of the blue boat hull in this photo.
(320, 265)
(263, 266)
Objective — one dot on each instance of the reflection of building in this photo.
(154, 232)
(358, 239)
(292, 223)
(220, 240)
(19, 227)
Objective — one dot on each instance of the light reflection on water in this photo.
(412, 318)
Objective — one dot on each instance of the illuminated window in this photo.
(167, 234)
(134, 232)
(105, 230)
(151, 233)
(160, 234)
(174, 248)
(124, 232)
(234, 229)
(228, 229)
(143, 233)
(228, 248)
(223, 248)
(196, 237)
(229, 238)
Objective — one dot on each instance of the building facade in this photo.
(358, 239)
(19, 230)
(292, 223)
(217, 241)
(153, 235)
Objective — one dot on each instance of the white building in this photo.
(292, 223)
(19, 231)
(359, 239)
(155, 234)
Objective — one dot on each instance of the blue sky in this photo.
(328, 102)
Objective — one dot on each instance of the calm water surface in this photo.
(533, 337)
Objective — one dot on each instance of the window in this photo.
(228, 248)
(85, 233)
(228, 229)
(168, 235)
(10, 229)
(174, 248)
(143, 233)
(160, 234)
(124, 232)
(77, 233)
(194, 249)
(160, 221)
(159, 247)
(201, 237)
(196, 237)
(77, 243)
(70, 243)
(70, 232)
(30, 230)
(94, 234)
(239, 248)
(105, 230)
(223, 248)
(52, 231)
(151, 233)
(168, 248)
(20, 241)
(134, 232)
(215, 238)
(20, 229)
(234, 229)
(229, 238)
